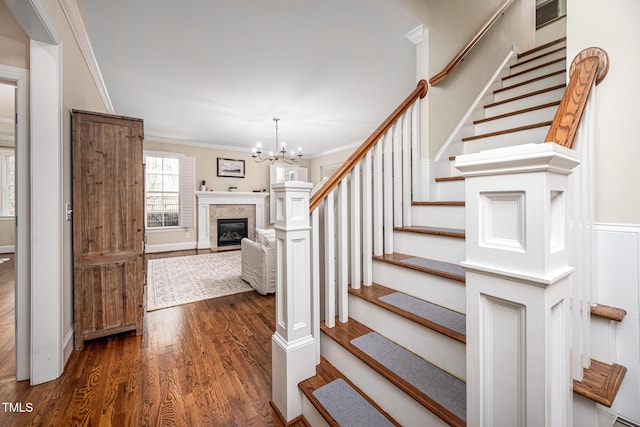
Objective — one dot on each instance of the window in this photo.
(169, 190)
(7, 182)
(162, 191)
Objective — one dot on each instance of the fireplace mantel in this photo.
(208, 198)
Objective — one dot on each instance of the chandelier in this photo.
(279, 155)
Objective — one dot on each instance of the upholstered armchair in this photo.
(259, 261)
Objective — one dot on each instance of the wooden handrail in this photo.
(589, 66)
(419, 92)
(465, 50)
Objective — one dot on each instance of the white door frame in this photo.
(20, 77)
(43, 188)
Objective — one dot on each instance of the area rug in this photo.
(181, 280)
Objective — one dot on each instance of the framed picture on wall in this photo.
(230, 168)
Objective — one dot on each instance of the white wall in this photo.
(451, 24)
(615, 28)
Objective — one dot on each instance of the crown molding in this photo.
(72, 13)
(416, 35)
(165, 140)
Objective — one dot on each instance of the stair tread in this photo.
(450, 178)
(438, 231)
(542, 47)
(440, 392)
(430, 266)
(551, 52)
(526, 95)
(326, 373)
(436, 203)
(600, 382)
(515, 113)
(526, 82)
(505, 131)
(430, 315)
(608, 312)
(537, 67)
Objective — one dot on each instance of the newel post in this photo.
(292, 345)
(518, 286)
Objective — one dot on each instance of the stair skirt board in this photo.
(348, 407)
(439, 290)
(441, 248)
(394, 401)
(441, 350)
(439, 215)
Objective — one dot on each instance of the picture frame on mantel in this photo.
(230, 168)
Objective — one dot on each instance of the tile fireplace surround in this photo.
(220, 204)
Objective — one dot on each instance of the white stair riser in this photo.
(530, 87)
(507, 107)
(440, 248)
(311, 414)
(509, 122)
(438, 290)
(532, 74)
(450, 191)
(444, 352)
(536, 135)
(394, 401)
(545, 50)
(603, 339)
(439, 216)
(521, 65)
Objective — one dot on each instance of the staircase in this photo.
(397, 353)
(403, 346)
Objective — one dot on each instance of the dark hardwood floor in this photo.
(7, 319)
(205, 363)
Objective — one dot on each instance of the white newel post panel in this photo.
(518, 286)
(293, 347)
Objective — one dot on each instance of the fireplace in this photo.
(231, 231)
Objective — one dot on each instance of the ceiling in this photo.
(217, 72)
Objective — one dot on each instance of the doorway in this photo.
(7, 228)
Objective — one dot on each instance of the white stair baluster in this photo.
(397, 173)
(356, 223)
(315, 280)
(343, 252)
(406, 169)
(378, 245)
(415, 151)
(329, 262)
(388, 193)
(367, 237)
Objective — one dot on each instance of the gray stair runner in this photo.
(348, 407)
(445, 389)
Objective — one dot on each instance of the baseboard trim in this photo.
(170, 247)
(67, 345)
(8, 249)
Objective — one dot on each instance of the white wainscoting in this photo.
(617, 283)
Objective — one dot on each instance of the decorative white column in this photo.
(293, 347)
(518, 286)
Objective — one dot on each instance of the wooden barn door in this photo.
(108, 225)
